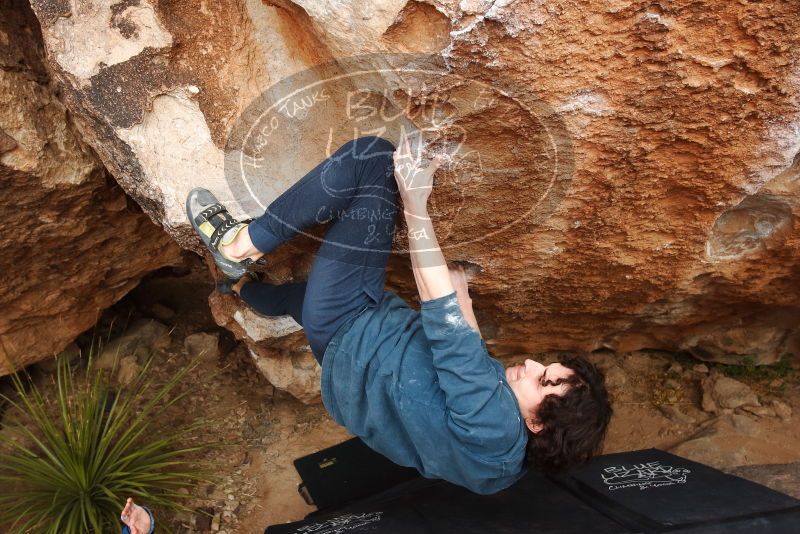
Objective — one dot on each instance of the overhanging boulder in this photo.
(676, 222)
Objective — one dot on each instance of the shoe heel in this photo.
(225, 286)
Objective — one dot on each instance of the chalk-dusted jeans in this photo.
(356, 189)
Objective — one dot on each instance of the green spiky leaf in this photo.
(76, 458)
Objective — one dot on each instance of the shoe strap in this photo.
(209, 212)
(220, 230)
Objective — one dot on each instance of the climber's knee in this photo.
(372, 146)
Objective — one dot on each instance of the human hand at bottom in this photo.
(136, 518)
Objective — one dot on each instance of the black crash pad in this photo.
(425, 506)
(655, 491)
(639, 491)
(348, 472)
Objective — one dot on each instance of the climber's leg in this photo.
(274, 299)
(356, 189)
(349, 269)
(317, 197)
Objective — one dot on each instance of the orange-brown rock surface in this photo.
(277, 345)
(72, 242)
(623, 174)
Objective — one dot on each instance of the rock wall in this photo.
(672, 224)
(72, 243)
(277, 345)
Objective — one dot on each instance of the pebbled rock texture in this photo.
(72, 242)
(675, 228)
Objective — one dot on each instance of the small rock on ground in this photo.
(204, 345)
(721, 392)
(202, 519)
(782, 410)
(675, 415)
(139, 338)
(129, 369)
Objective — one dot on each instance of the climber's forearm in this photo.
(430, 268)
(465, 302)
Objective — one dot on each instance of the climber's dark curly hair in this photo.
(575, 424)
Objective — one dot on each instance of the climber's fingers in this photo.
(127, 510)
(408, 163)
(436, 162)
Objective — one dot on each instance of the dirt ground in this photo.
(655, 406)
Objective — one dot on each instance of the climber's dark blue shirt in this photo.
(421, 388)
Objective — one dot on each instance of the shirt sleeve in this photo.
(482, 410)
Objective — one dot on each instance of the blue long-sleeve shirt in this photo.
(421, 389)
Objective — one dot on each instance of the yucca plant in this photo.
(69, 463)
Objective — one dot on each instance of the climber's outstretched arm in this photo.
(459, 280)
(427, 260)
(433, 276)
(415, 184)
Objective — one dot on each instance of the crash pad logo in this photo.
(643, 476)
(342, 523)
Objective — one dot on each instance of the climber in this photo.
(418, 387)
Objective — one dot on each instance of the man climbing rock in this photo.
(418, 387)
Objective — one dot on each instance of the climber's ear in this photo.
(533, 425)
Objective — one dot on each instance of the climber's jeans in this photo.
(355, 188)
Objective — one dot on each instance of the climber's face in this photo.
(531, 382)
